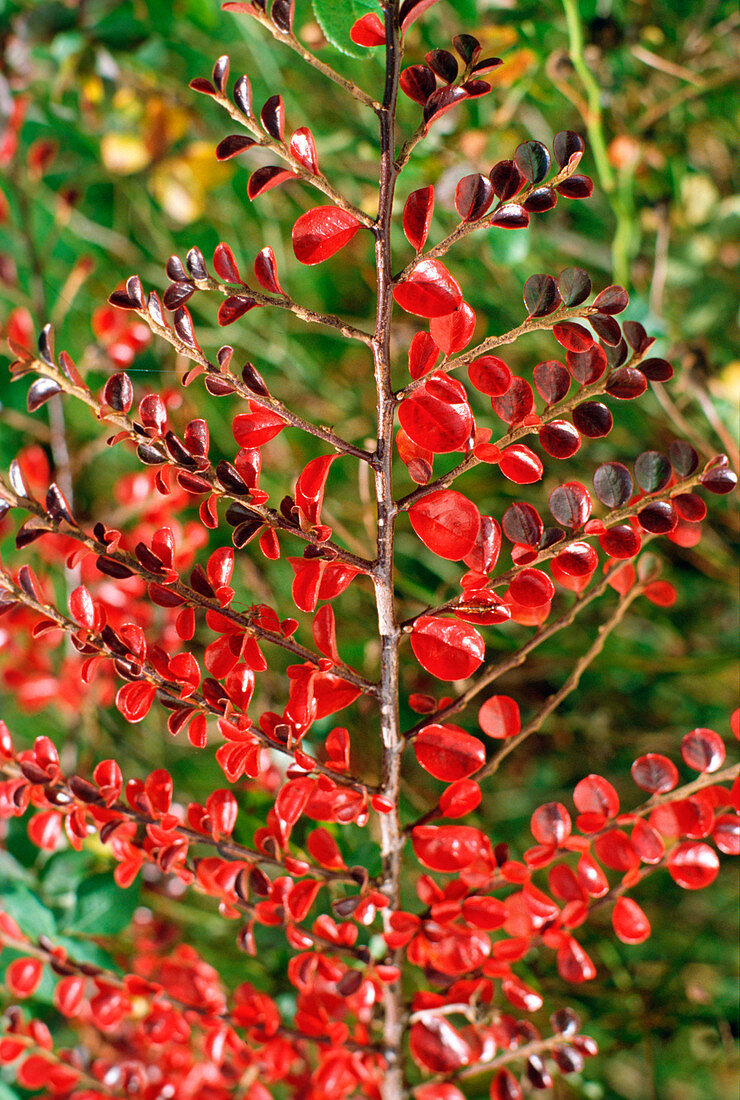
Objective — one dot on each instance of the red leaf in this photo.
(321, 232)
(134, 700)
(225, 265)
(447, 522)
(368, 31)
(411, 10)
(532, 588)
(417, 216)
(429, 291)
(265, 270)
(499, 717)
(231, 309)
(448, 649)
(324, 633)
(446, 848)
(82, 608)
(693, 865)
(551, 824)
(303, 148)
(267, 177)
(448, 753)
(655, 773)
(460, 799)
(309, 490)
(519, 464)
(490, 375)
(454, 331)
(629, 922)
(437, 418)
(703, 750)
(257, 427)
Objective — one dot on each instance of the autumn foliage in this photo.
(409, 974)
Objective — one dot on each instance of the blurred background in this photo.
(107, 168)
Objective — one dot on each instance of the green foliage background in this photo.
(663, 221)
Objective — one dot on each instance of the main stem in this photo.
(388, 627)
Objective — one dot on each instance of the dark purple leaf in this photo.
(417, 82)
(613, 484)
(559, 439)
(183, 325)
(626, 384)
(254, 381)
(614, 299)
(17, 481)
(653, 471)
(636, 336)
(507, 180)
(121, 300)
(196, 264)
(533, 161)
(576, 187)
(606, 328)
(282, 15)
(684, 459)
(656, 370)
(540, 200)
(57, 505)
(177, 294)
(231, 480)
(593, 419)
(232, 145)
(150, 454)
(510, 216)
(200, 84)
(566, 145)
(659, 517)
(443, 64)
(243, 95)
(246, 531)
(176, 270)
(468, 47)
(574, 286)
(46, 345)
(476, 88)
(220, 73)
(586, 366)
(112, 568)
(718, 477)
(178, 451)
(616, 354)
(40, 391)
(272, 117)
(264, 179)
(135, 291)
(118, 392)
(486, 65)
(541, 295)
(473, 196)
(570, 504)
(551, 380)
(522, 525)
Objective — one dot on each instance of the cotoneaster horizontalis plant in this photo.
(412, 979)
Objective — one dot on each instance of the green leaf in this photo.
(335, 17)
(33, 918)
(103, 908)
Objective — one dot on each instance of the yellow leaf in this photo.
(124, 153)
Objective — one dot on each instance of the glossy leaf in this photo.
(320, 233)
(448, 753)
(447, 522)
(447, 648)
(429, 291)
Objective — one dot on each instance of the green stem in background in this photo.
(619, 188)
(593, 119)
